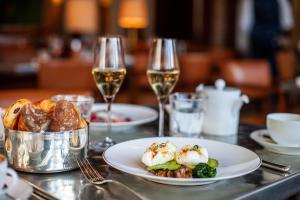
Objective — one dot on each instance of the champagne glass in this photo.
(109, 72)
(163, 73)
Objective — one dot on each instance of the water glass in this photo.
(84, 103)
(186, 114)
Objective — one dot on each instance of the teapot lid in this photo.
(220, 88)
(220, 84)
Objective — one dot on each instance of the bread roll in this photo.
(83, 123)
(10, 119)
(33, 119)
(65, 117)
(46, 105)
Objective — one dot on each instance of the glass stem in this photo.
(109, 116)
(161, 103)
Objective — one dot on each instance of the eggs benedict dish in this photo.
(189, 161)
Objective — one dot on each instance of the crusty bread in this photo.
(44, 115)
(21, 125)
(65, 117)
(46, 105)
(83, 123)
(10, 119)
(33, 119)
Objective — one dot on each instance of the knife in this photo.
(275, 166)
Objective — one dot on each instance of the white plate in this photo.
(262, 137)
(233, 160)
(138, 114)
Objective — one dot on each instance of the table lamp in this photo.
(56, 2)
(133, 15)
(81, 16)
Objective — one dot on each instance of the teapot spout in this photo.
(238, 104)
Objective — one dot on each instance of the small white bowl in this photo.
(284, 128)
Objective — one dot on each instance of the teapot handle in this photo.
(238, 104)
(244, 98)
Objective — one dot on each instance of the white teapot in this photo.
(223, 108)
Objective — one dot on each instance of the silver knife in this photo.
(275, 166)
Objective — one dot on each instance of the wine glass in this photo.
(163, 73)
(109, 72)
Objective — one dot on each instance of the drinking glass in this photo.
(186, 114)
(109, 72)
(163, 73)
(84, 103)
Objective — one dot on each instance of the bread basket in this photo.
(45, 152)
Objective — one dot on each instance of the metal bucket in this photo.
(45, 152)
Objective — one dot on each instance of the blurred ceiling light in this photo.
(81, 16)
(56, 2)
(133, 14)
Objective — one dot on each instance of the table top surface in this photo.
(262, 183)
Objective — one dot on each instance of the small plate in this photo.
(234, 161)
(263, 138)
(137, 114)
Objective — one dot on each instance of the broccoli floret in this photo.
(213, 162)
(203, 170)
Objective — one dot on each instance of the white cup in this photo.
(284, 128)
(4, 171)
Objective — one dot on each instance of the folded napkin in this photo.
(20, 191)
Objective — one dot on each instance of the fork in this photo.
(94, 177)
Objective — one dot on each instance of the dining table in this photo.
(262, 183)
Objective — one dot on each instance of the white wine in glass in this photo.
(109, 73)
(163, 73)
(109, 81)
(163, 82)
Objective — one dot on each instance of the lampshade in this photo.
(81, 16)
(56, 2)
(133, 14)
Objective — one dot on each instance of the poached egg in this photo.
(159, 153)
(191, 156)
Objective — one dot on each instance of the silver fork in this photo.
(94, 177)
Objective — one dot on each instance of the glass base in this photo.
(103, 145)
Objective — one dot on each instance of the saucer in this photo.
(22, 190)
(263, 138)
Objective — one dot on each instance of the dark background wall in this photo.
(177, 19)
(23, 12)
(174, 18)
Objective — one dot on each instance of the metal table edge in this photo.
(265, 192)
